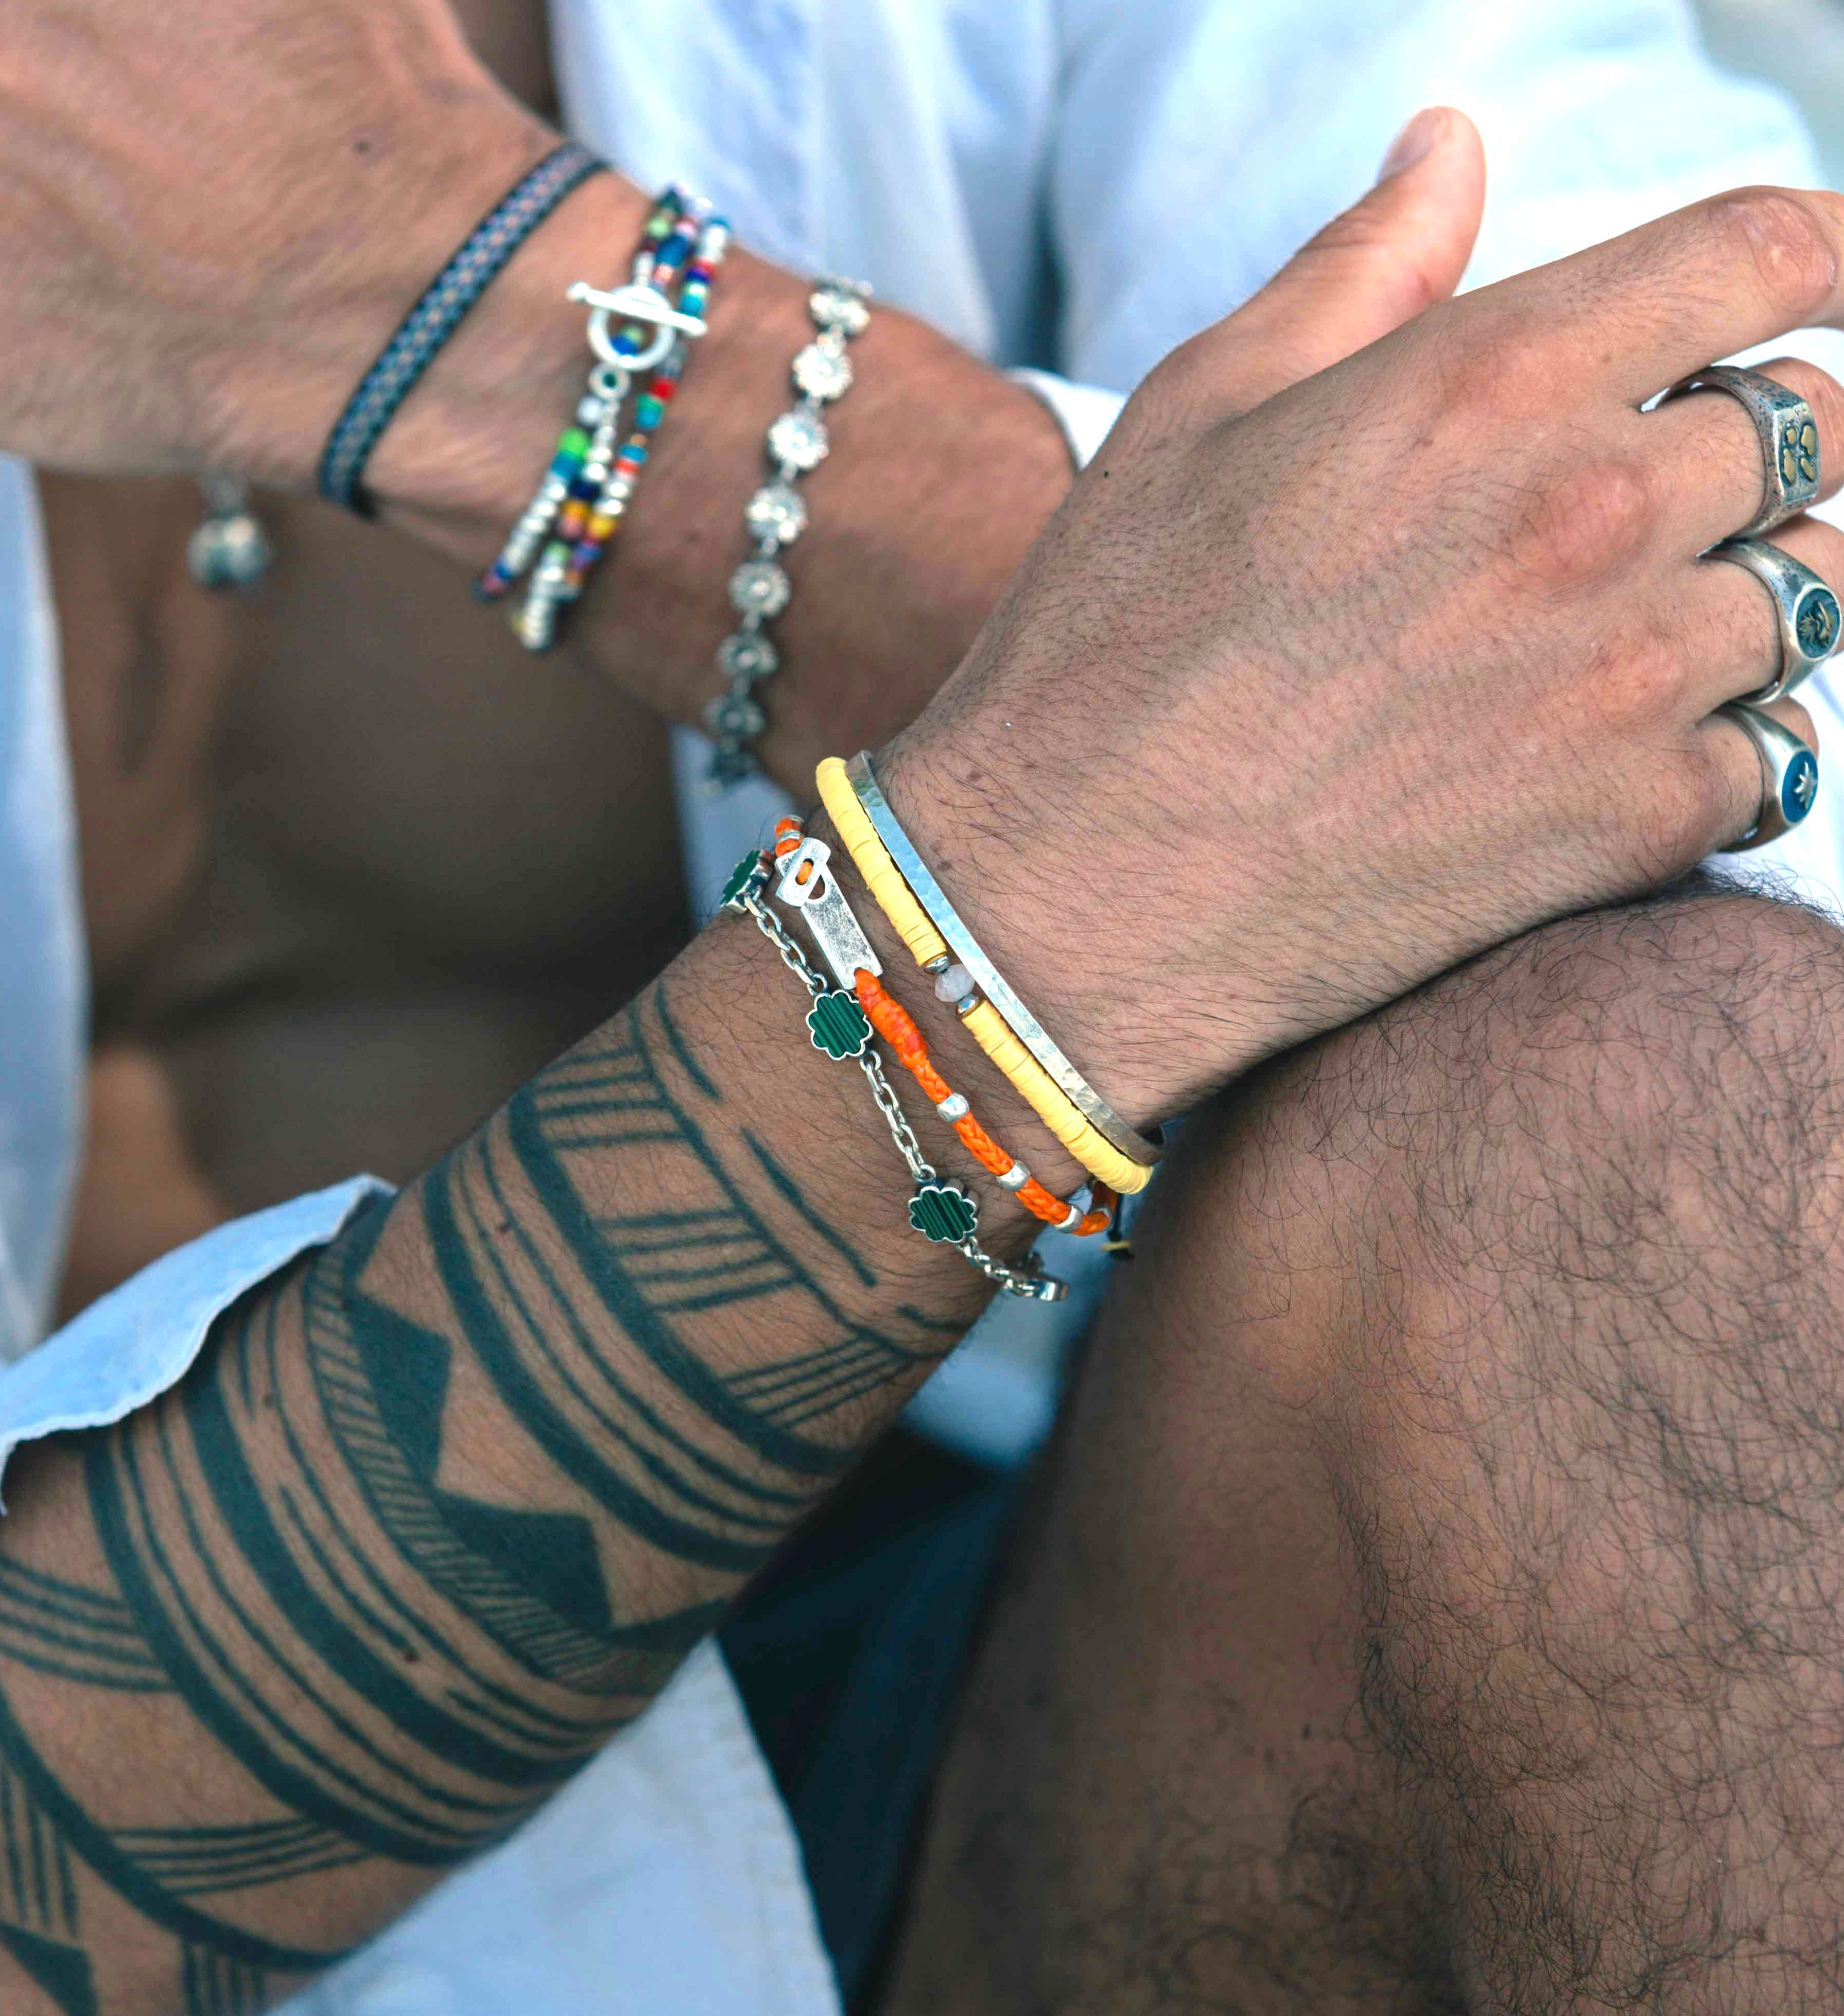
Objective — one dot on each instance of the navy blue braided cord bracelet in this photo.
(436, 317)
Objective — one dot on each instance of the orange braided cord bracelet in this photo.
(895, 1024)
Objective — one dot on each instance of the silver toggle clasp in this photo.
(808, 884)
(635, 302)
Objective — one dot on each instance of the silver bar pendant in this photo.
(818, 897)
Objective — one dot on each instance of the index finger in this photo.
(1643, 309)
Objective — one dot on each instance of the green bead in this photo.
(944, 1213)
(839, 1026)
(573, 442)
(748, 878)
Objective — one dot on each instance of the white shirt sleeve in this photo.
(141, 1338)
(1201, 143)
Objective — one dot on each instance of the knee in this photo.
(1644, 1105)
(1538, 1270)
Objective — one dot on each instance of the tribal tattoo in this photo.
(430, 1518)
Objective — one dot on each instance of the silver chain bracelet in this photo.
(775, 516)
(743, 895)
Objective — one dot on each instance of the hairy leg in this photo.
(1439, 1603)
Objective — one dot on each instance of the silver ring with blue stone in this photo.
(1805, 606)
(1789, 773)
(1788, 433)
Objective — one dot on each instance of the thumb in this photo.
(1400, 249)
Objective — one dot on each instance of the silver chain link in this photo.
(792, 957)
(1026, 1282)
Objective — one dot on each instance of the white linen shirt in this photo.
(1075, 184)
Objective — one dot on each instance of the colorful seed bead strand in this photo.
(597, 419)
(933, 1209)
(597, 504)
(583, 501)
(894, 1024)
(775, 517)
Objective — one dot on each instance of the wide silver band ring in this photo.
(1789, 774)
(1804, 605)
(1788, 437)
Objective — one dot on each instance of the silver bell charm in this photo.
(229, 549)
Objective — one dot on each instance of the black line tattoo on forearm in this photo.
(314, 1583)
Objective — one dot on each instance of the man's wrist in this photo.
(941, 471)
(1039, 920)
(270, 397)
(995, 1102)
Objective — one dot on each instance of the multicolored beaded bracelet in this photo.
(775, 516)
(597, 416)
(895, 1024)
(581, 502)
(942, 1212)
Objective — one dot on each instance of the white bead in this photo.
(955, 984)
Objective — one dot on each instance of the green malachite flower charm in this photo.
(840, 1026)
(944, 1213)
(748, 878)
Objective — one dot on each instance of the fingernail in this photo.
(1414, 142)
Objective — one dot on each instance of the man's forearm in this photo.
(446, 1505)
(941, 474)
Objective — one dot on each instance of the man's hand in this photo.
(1294, 707)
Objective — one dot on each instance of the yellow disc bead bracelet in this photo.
(912, 924)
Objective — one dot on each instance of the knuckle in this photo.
(1584, 525)
(1825, 396)
(1486, 366)
(1629, 687)
(1689, 800)
(1787, 237)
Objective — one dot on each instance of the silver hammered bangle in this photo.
(775, 516)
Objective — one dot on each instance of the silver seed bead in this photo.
(760, 588)
(954, 1107)
(1015, 1178)
(953, 984)
(823, 372)
(798, 441)
(747, 655)
(777, 511)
